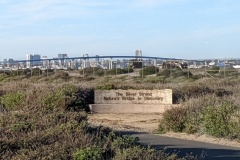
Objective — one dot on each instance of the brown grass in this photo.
(42, 128)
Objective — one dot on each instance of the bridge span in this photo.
(106, 62)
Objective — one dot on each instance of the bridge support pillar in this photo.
(110, 64)
(155, 62)
(83, 64)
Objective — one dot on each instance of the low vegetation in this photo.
(96, 71)
(174, 73)
(206, 110)
(42, 120)
(43, 115)
(149, 70)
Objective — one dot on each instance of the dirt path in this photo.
(136, 122)
(149, 123)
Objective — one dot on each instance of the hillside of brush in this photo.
(45, 117)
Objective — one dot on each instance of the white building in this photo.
(138, 54)
(45, 61)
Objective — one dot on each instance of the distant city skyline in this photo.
(187, 29)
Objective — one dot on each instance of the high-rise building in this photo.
(28, 62)
(11, 62)
(45, 61)
(36, 60)
(138, 54)
(5, 62)
(62, 56)
(33, 60)
(62, 62)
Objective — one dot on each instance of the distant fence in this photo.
(220, 72)
(216, 72)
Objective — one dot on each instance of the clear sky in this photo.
(189, 29)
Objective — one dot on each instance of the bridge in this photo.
(106, 62)
(107, 57)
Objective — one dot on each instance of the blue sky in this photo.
(189, 29)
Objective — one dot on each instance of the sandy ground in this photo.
(133, 122)
(149, 123)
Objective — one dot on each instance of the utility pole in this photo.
(224, 68)
(128, 68)
(116, 67)
(83, 74)
(156, 67)
(17, 68)
(205, 69)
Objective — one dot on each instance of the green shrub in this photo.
(119, 71)
(13, 101)
(149, 70)
(53, 100)
(174, 73)
(69, 90)
(214, 70)
(136, 152)
(218, 120)
(106, 87)
(154, 79)
(90, 153)
(165, 73)
(209, 115)
(112, 71)
(173, 120)
(124, 141)
(100, 72)
(23, 127)
(194, 120)
(125, 87)
(3, 77)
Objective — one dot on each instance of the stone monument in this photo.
(131, 101)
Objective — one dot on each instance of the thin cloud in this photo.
(153, 3)
(28, 12)
(53, 8)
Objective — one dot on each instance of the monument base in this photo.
(129, 108)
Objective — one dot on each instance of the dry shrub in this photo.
(193, 90)
(186, 92)
(32, 133)
(173, 119)
(44, 129)
(209, 114)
